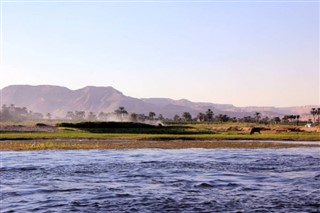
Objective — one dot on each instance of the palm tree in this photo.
(133, 117)
(160, 117)
(257, 116)
(141, 117)
(285, 119)
(201, 117)
(314, 113)
(209, 115)
(49, 116)
(277, 120)
(121, 111)
(151, 115)
(318, 113)
(293, 117)
(187, 116)
(176, 117)
(222, 118)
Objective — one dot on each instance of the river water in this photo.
(156, 180)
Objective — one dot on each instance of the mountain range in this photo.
(59, 100)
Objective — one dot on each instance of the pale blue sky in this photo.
(243, 53)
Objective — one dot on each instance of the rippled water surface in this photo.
(152, 180)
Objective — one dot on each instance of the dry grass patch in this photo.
(133, 144)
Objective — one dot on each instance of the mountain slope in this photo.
(59, 100)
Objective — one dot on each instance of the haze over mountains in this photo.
(59, 100)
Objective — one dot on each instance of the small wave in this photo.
(123, 195)
(18, 169)
(47, 191)
(174, 181)
(204, 185)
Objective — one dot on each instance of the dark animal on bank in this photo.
(256, 129)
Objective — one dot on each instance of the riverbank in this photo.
(213, 135)
(111, 135)
(74, 144)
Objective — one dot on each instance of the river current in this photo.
(157, 180)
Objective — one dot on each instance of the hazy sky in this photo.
(245, 53)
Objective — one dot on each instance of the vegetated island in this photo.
(130, 135)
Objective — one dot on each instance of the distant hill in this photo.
(59, 100)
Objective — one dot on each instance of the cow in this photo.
(256, 129)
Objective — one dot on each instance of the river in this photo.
(157, 180)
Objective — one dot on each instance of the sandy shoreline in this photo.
(73, 144)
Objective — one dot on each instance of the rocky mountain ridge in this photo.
(59, 100)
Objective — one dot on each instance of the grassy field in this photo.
(107, 135)
(231, 135)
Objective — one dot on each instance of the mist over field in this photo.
(58, 101)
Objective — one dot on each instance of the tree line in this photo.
(209, 116)
(14, 113)
(120, 114)
(315, 112)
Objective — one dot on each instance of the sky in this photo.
(246, 53)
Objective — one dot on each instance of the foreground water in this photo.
(154, 180)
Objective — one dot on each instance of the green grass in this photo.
(229, 135)
(136, 131)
